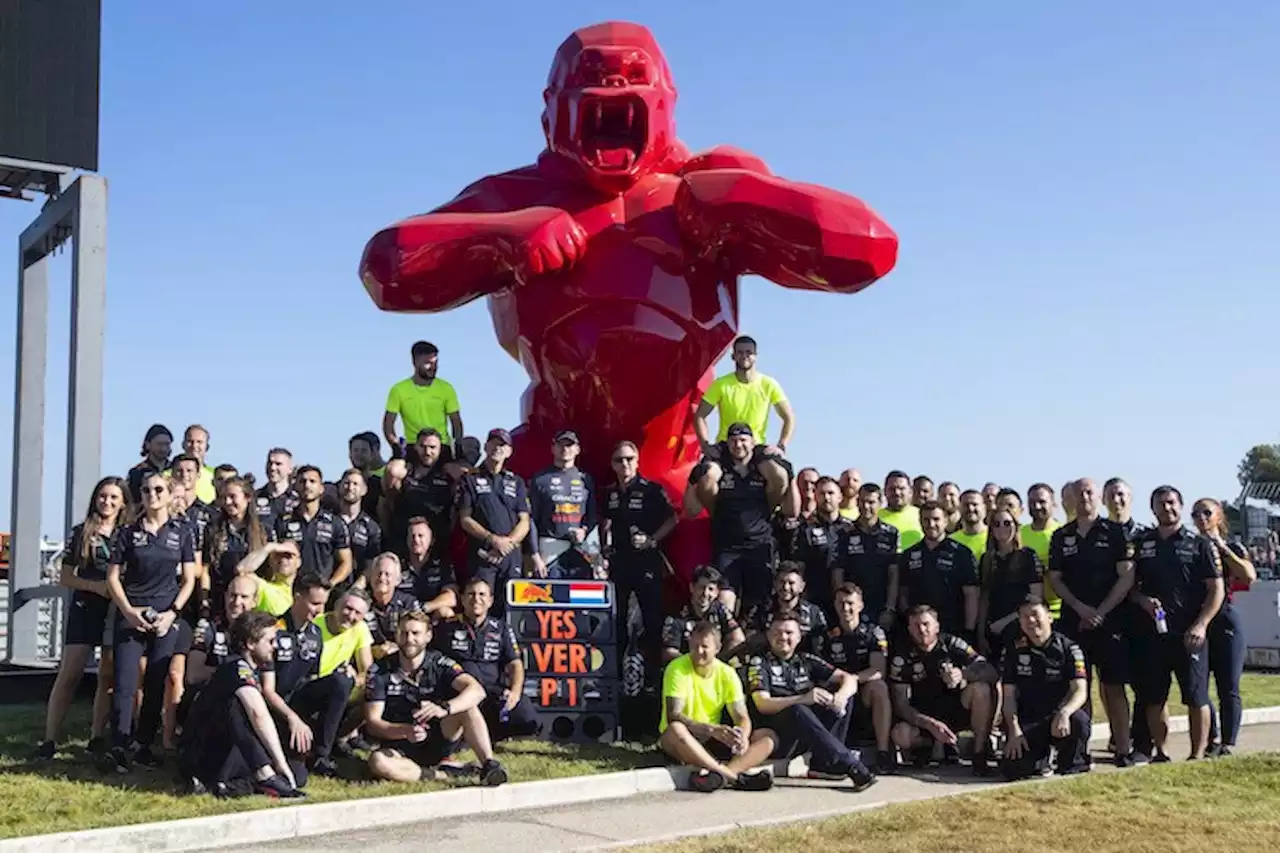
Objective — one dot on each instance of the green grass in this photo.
(1257, 690)
(69, 793)
(1230, 805)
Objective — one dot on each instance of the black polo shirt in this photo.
(484, 650)
(867, 557)
(95, 567)
(676, 629)
(1088, 564)
(384, 619)
(852, 650)
(561, 498)
(817, 546)
(212, 637)
(809, 616)
(795, 676)
(428, 493)
(937, 577)
(404, 692)
(270, 508)
(1009, 582)
(297, 658)
(365, 537)
(1175, 570)
(319, 539)
(211, 710)
(741, 518)
(639, 506)
(151, 563)
(1042, 674)
(223, 548)
(495, 502)
(922, 670)
(427, 581)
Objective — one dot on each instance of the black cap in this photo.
(158, 430)
(567, 436)
(500, 434)
(738, 429)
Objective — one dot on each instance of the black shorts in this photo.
(748, 572)
(1105, 647)
(947, 708)
(1165, 655)
(186, 636)
(86, 619)
(435, 749)
(862, 726)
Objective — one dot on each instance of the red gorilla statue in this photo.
(612, 264)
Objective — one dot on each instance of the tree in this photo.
(1260, 465)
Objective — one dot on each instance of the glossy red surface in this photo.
(611, 264)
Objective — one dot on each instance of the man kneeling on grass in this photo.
(422, 705)
(697, 690)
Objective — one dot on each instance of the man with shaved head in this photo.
(850, 483)
(1091, 567)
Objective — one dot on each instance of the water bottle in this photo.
(150, 615)
(1162, 626)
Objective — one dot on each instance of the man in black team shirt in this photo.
(363, 531)
(704, 606)
(156, 447)
(817, 544)
(861, 649)
(788, 597)
(421, 704)
(1044, 694)
(940, 572)
(211, 643)
(322, 536)
(807, 703)
(230, 747)
(488, 650)
(277, 497)
(428, 575)
(421, 488)
(562, 500)
(741, 502)
(493, 510)
(365, 452)
(1091, 568)
(388, 601)
(940, 686)
(786, 530)
(637, 519)
(868, 558)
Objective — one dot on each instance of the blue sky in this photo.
(1086, 196)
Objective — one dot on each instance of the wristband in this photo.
(448, 710)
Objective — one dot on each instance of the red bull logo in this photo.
(525, 592)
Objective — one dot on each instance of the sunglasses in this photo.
(155, 490)
(1005, 523)
(1202, 513)
(620, 459)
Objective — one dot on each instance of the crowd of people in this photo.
(253, 634)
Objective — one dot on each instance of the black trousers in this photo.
(1073, 750)
(818, 731)
(230, 755)
(130, 648)
(521, 722)
(322, 703)
(640, 573)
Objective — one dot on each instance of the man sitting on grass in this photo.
(697, 690)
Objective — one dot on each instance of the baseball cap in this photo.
(501, 435)
(568, 436)
(739, 429)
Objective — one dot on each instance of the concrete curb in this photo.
(305, 821)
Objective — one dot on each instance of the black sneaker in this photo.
(194, 787)
(278, 788)
(1124, 760)
(862, 778)
(326, 767)
(493, 774)
(46, 751)
(759, 781)
(147, 758)
(1161, 758)
(1224, 752)
(921, 756)
(115, 761)
(98, 745)
(981, 764)
(706, 781)
(1212, 750)
(886, 763)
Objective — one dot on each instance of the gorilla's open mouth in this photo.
(612, 131)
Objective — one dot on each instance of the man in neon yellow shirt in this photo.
(744, 396)
(421, 401)
(347, 637)
(899, 511)
(973, 524)
(1037, 534)
(697, 690)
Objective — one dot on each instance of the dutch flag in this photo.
(587, 593)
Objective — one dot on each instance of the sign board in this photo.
(583, 595)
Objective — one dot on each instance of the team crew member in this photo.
(818, 542)
(744, 396)
(364, 450)
(233, 533)
(426, 575)
(346, 638)
(949, 497)
(861, 648)
(698, 690)
(277, 497)
(308, 709)
(1045, 687)
(850, 486)
(786, 530)
(562, 503)
(363, 532)
(186, 470)
(868, 558)
(972, 532)
(1011, 574)
(195, 444)
(421, 704)
(421, 487)
(637, 520)
(788, 597)
(807, 703)
(741, 496)
(1091, 566)
(156, 447)
(151, 576)
(489, 652)
(704, 606)
(84, 571)
(423, 401)
(1226, 631)
(211, 646)
(898, 510)
(322, 536)
(388, 602)
(275, 588)
(1179, 576)
(941, 573)
(1119, 500)
(921, 490)
(1070, 500)
(940, 686)
(1037, 534)
(230, 747)
(493, 508)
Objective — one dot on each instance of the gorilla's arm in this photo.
(794, 234)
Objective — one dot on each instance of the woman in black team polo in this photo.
(151, 577)
(1010, 573)
(84, 570)
(233, 533)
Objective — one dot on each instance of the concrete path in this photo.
(658, 817)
